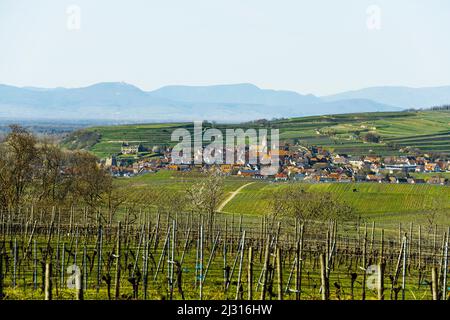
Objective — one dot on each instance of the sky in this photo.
(320, 47)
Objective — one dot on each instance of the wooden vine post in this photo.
(434, 283)
(299, 264)
(380, 281)
(250, 274)
(364, 264)
(325, 288)
(445, 266)
(405, 257)
(48, 281)
(99, 258)
(265, 269)
(118, 253)
(279, 275)
(238, 287)
(1, 275)
(79, 285)
(201, 263)
(380, 269)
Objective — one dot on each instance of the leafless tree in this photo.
(294, 201)
(204, 196)
(89, 181)
(50, 185)
(17, 161)
(432, 212)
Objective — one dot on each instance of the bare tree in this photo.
(50, 185)
(432, 211)
(18, 159)
(36, 171)
(204, 197)
(89, 181)
(294, 201)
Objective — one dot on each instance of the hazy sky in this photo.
(317, 46)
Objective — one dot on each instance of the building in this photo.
(281, 177)
(374, 178)
(247, 172)
(131, 149)
(400, 167)
(111, 162)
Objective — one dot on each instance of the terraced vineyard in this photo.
(427, 130)
(111, 137)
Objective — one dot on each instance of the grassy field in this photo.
(386, 203)
(427, 130)
(175, 181)
(427, 175)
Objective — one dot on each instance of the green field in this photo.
(427, 130)
(386, 203)
(374, 202)
(174, 181)
(427, 175)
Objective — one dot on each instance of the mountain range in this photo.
(226, 103)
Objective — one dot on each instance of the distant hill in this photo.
(400, 133)
(402, 97)
(236, 93)
(125, 102)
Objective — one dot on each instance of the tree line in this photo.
(38, 172)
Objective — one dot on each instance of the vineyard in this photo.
(379, 202)
(76, 254)
(383, 203)
(426, 130)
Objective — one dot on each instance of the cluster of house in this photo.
(128, 148)
(313, 164)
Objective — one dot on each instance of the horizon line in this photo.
(220, 84)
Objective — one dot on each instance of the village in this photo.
(296, 163)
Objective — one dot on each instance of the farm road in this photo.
(231, 196)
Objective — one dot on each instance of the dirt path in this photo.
(232, 195)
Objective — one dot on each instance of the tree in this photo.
(50, 185)
(171, 202)
(432, 211)
(371, 137)
(18, 159)
(89, 181)
(305, 206)
(38, 172)
(204, 197)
